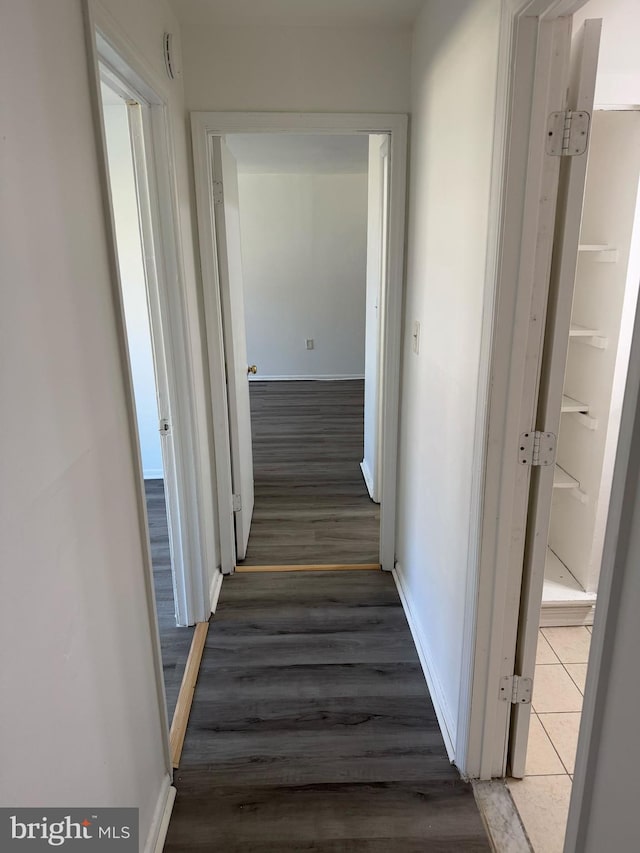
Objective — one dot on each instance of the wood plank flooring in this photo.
(311, 502)
(174, 642)
(312, 728)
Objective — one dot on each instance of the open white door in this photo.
(377, 226)
(570, 142)
(227, 224)
(165, 418)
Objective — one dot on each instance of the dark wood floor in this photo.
(312, 728)
(174, 642)
(311, 502)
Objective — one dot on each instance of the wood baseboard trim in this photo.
(307, 377)
(315, 567)
(185, 697)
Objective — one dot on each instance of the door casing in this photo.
(193, 548)
(110, 48)
(534, 77)
(377, 225)
(205, 126)
(230, 271)
(550, 371)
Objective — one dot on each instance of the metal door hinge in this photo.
(568, 133)
(165, 427)
(218, 192)
(537, 448)
(237, 503)
(516, 689)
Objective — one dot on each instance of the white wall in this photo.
(454, 62)
(132, 278)
(609, 749)
(304, 243)
(604, 805)
(79, 689)
(296, 68)
(618, 80)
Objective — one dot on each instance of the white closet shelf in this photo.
(592, 337)
(601, 252)
(560, 586)
(571, 405)
(576, 331)
(562, 480)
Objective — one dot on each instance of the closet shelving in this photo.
(566, 599)
(570, 405)
(585, 335)
(605, 285)
(601, 252)
(560, 586)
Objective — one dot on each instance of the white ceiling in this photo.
(287, 152)
(318, 13)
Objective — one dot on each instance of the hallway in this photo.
(312, 727)
(311, 501)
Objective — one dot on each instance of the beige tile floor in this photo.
(542, 797)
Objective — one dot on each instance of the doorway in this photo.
(304, 215)
(220, 222)
(589, 306)
(123, 121)
(604, 303)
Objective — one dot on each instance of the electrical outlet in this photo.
(415, 335)
(309, 343)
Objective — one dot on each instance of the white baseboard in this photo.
(160, 822)
(368, 479)
(153, 474)
(558, 616)
(214, 589)
(166, 817)
(433, 683)
(318, 378)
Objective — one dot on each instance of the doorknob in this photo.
(253, 368)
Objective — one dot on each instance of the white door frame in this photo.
(110, 48)
(532, 79)
(550, 370)
(229, 265)
(377, 227)
(206, 125)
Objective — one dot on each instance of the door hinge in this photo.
(237, 503)
(516, 689)
(165, 427)
(218, 192)
(568, 133)
(537, 448)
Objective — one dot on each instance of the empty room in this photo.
(302, 302)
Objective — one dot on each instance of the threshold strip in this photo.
(315, 567)
(185, 697)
